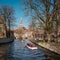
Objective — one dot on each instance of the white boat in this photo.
(31, 46)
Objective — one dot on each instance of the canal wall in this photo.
(6, 40)
(54, 47)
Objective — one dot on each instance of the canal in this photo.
(18, 50)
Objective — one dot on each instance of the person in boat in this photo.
(31, 45)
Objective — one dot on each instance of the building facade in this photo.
(58, 13)
(2, 27)
(23, 33)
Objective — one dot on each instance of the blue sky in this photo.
(19, 12)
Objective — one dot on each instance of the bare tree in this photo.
(9, 18)
(40, 10)
(32, 25)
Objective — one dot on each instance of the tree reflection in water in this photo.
(18, 51)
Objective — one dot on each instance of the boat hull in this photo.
(33, 48)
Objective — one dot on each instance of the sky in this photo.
(19, 12)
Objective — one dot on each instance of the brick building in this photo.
(2, 27)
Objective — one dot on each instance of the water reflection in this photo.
(18, 51)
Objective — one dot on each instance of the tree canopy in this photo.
(9, 18)
(41, 11)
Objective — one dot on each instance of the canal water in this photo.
(18, 50)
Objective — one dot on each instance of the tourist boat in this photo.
(31, 46)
